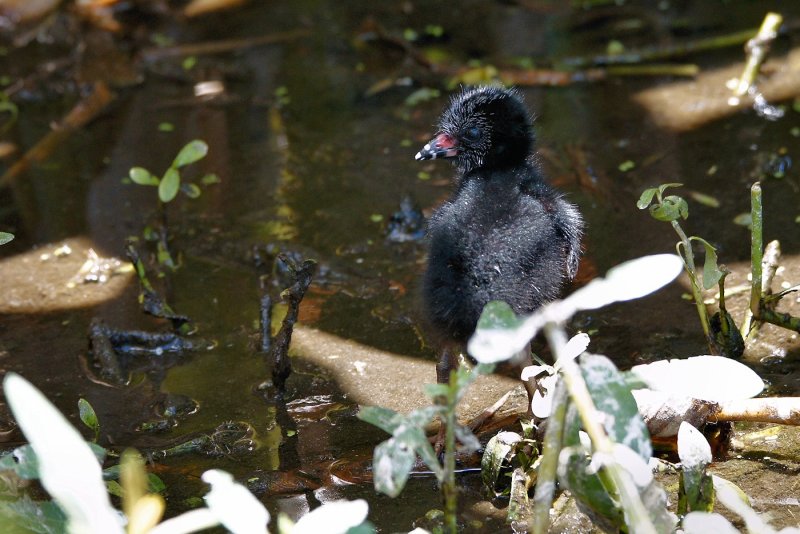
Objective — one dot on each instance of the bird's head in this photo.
(482, 127)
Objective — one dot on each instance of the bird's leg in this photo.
(448, 361)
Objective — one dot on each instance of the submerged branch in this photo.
(84, 112)
(278, 352)
(218, 47)
(653, 53)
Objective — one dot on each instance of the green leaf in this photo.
(496, 454)
(664, 187)
(5, 237)
(155, 484)
(611, 395)
(169, 185)
(436, 390)
(210, 179)
(142, 176)
(191, 190)
(646, 198)
(193, 151)
(22, 461)
(706, 200)
(744, 219)
(575, 474)
(384, 418)
(89, 417)
(670, 209)
(711, 271)
(114, 488)
(498, 315)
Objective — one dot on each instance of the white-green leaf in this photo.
(169, 185)
(193, 151)
(494, 456)
(5, 237)
(611, 396)
(704, 523)
(575, 347)
(69, 470)
(697, 487)
(630, 280)
(497, 338)
(732, 500)
(711, 378)
(693, 449)
(234, 506)
(391, 464)
(333, 517)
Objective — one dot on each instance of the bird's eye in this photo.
(472, 134)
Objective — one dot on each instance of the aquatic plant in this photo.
(720, 330)
(169, 185)
(69, 469)
(394, 458)
(499, 336)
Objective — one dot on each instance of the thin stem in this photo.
(449, 490)
(636, 514)
(539, 521)
(688, 258)
(756, 257)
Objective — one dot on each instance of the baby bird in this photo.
(504, 233)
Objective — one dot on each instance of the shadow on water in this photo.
(309, 163)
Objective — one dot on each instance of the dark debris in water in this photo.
(113, 350)
(406, 224)
(230, 439)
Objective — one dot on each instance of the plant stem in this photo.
(688, 258)
(635, 513)
(757, 49)
(449, 490)
(756, 257)
(539, 520)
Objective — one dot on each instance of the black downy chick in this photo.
(504, 234)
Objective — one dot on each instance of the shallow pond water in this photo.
(310, 161)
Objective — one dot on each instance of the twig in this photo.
(479, 420)
(782, 410)
(279, 348)
(103, 352)
(265, 316)
(151, 301)
(757, 49)
(84, 112)
(661, 52)
(218, 47)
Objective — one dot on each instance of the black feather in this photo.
(504, 234)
